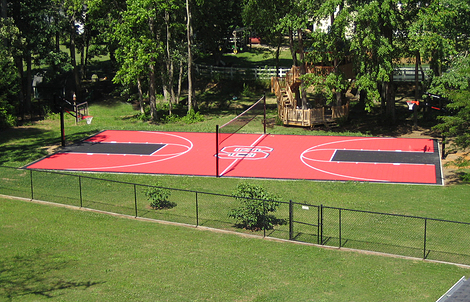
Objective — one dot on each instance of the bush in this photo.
(158, 197)
(257, 203)
(190, 118)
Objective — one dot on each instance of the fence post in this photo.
(318, 225)
(291, 220)
(264, 218)
(31, 181)
(216, 150)
(80, 190)
(425, 230)
(197, 211)
(135, 199)
(339, 218)
(321, 224)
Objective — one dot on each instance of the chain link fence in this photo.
(419, 237)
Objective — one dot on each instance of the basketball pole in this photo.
(264, 113)
(62, 127)
(216, 150)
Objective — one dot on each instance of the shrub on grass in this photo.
(256, 206)
(158, 197)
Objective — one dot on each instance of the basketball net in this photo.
(411, 104)
(89, 119)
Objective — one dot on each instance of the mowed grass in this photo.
(59, 254)
(95, 257)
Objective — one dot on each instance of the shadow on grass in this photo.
(263, 55)
(37, 275)
(24, 145)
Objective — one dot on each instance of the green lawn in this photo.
(254, 57)
(58, 254)
(82, 256)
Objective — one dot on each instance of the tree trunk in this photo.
(19, 67)
(29, 82)
(417, 90)
(4, 9)
(180, 83)
(189, 33)
(338, 92)
(292, 49)
(152, 91)
(82, 64)
(278, 52)
(390, 98)
(141, 97)
(166, 92)
(152, 76)
(57, 41)
(390, 86)
(168, 79)
(84, 55)
(73, 61)
(303, 71)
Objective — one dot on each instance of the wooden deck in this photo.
(286, 88)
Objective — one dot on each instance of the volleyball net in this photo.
(237, 123)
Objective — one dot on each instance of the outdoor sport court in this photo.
(323, 158)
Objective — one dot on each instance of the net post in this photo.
(264, 114)
(216, 150)
(62, 127)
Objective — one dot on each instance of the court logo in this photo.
(245, 152)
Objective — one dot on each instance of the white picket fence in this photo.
(241, 73)
(401, 74)
(407, 74)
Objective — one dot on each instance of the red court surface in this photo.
(324, 158)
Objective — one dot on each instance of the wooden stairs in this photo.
(287, 91)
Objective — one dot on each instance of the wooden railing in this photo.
(285, 88)
(312, 116)
(319, 70)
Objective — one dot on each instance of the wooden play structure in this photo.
(287, 91)
(78, 111)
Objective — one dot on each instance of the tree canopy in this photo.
(152, 42)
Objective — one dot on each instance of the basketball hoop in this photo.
(89, 119)
(411, 104)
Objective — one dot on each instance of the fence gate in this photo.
(305, 222)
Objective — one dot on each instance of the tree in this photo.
(263, 18)
(159, 197)
(140, 46)
(175, 36)
(331, 48)
(296, 20)
(257, 203)
(374, 31)
(73, 14)
(9, 84)
(151, 39)
(440, 31)
(189, 41)
(213, 23)
(454, 84)
(31, 18)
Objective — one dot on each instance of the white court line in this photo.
(239, 159)
(304, 158)
(169, 156)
